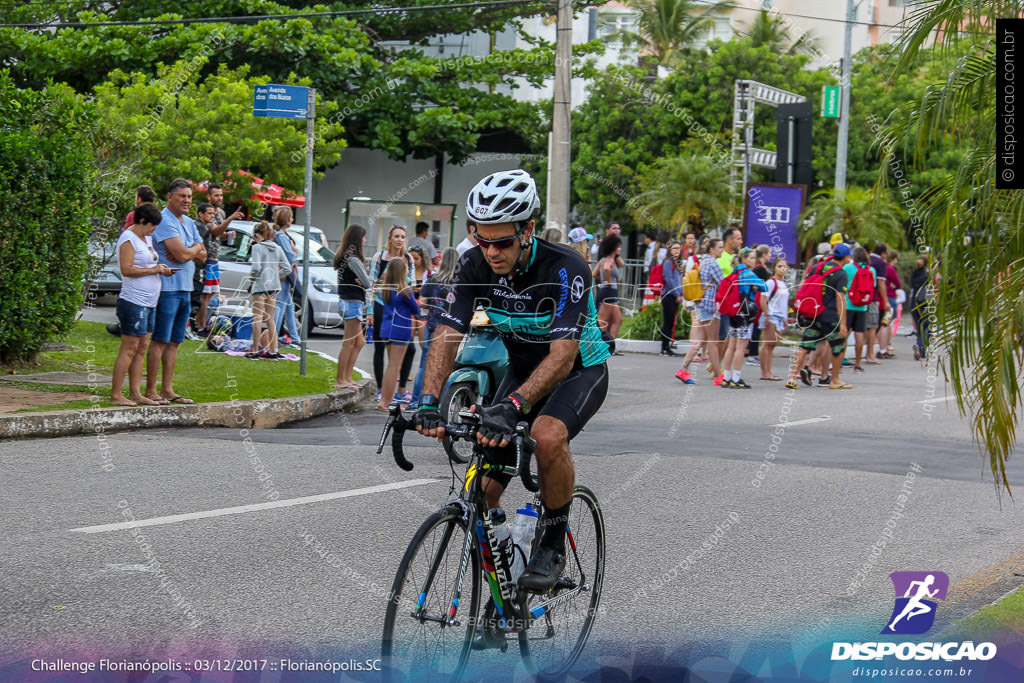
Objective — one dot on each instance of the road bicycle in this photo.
(434, 607)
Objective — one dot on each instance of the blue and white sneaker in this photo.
(404, 399)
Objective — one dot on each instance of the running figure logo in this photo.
(917, 594)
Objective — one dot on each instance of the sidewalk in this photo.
(258, 414)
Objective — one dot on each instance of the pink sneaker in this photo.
(718, 380)
(684, 377)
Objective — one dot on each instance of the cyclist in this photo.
(538, 295)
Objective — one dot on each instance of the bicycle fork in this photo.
(421, 601)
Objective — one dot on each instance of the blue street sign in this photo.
(280, 101)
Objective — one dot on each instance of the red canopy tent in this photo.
(268, 193)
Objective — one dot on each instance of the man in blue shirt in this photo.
(179, 247)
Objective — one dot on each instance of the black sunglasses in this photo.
(501, 243)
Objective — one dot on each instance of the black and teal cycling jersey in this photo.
(549, 301)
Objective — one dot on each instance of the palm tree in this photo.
(770, 29)
(968, 221)
(665, 28)
(675, 188)
(867, 216)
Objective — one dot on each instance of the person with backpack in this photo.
(775, 321)
(740, 298)
(861, 292)
(705, 319)
(821, 312)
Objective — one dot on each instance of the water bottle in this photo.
(369, 334)
(231, 238)
(502, 534)
(524, 526)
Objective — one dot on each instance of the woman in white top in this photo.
(136, 304)
(775, 322)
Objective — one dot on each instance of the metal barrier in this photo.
(633, 279)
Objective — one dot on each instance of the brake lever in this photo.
(392, 415)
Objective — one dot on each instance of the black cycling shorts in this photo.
(573, 402)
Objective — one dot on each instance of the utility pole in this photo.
(558, 159)
(844, 98)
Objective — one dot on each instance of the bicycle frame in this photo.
(479, 530)
(472, 505)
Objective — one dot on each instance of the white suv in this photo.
(235, 266)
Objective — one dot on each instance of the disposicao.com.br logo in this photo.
(917, 596)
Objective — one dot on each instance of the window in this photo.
(721, 29)
(615, 21)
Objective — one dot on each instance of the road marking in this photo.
(810, 420)
(938, 400)
(255, 507)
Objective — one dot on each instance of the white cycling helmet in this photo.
(503, 197)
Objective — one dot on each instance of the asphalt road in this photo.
(669, 463)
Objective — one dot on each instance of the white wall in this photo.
(369, 173)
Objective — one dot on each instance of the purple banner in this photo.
(772, 212)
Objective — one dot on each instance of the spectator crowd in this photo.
(741, 302)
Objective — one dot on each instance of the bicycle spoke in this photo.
(428, 626)
(565, 614)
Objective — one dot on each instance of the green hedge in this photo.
(45, 185)
(646, 325)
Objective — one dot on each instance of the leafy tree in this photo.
(396, 100)
(770, 29)
(45, 181)
(867, 216)
(666, 28)
(878, 91)
(975, 229)
(149, 126)
(629, 120)
(674, 189)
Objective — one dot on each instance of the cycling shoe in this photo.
(544, 569)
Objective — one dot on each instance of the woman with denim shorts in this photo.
(353, 282)
(704, 326)
(136, 304)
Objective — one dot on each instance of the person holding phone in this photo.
(179, 247)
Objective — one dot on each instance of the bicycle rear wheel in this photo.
(420, 636)
(565, 614)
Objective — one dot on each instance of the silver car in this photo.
(235, 266)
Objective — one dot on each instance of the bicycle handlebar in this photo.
(525, 445)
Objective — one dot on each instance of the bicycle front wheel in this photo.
(422, 634)
(564, 615)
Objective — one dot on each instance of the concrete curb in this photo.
(257, 414)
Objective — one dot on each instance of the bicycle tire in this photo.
(412, 647)
(456, 397)
(544, 652)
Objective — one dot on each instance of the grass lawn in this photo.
(1003, 616)
(201, 374)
